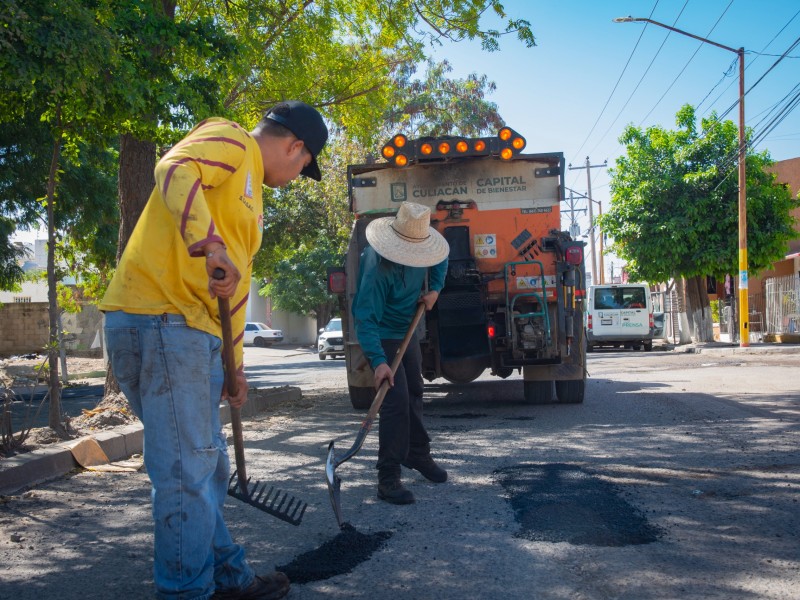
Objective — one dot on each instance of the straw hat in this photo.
(408, 238)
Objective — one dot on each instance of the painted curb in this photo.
(55, 460)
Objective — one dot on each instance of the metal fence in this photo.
(782, 295)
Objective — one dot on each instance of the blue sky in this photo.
(573, 92)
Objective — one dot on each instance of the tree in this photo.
(53, 67)
(674, 208)
(308, 225)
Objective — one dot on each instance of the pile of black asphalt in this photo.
(337, 556)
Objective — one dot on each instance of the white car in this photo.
(331, 341)
(258, 334)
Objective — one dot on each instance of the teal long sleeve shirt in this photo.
(386, 300)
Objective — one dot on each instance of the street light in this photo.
(744, 323)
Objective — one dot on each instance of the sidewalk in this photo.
(53, 460)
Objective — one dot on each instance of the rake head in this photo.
(274, 502)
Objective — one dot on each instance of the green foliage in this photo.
(674, 207)
(299, 282)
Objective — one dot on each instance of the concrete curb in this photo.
(732, 348)
(55, 460)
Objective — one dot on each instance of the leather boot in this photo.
(391, 489)
(428, 467)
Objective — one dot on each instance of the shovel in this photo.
(332, 462)
(274, 502)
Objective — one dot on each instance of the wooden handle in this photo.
(232, 385)
(398, 357)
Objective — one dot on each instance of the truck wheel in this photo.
(538, 392)
(321, 356)
(570, 392)
(648, 346)
(589, 348)
(361, 397)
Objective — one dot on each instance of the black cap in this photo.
(306, 123)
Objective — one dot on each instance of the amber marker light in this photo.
(518, 143)
(426, 149)
(504, 134)
(444, 148)
(399, 140)
(506, 153)
(461, 146)
(401, 160)
(480, 146)
(388, 152)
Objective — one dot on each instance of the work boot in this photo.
(428, 467)
(264, 587)
(395, 493)
(391, 489)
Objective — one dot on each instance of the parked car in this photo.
(331, 341)
(258, 334)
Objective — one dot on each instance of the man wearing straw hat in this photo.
(402, 251)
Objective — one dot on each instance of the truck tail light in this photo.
(336, 280)
(574, 255)
(580, 294)
(491, 330)
(652, 323)
(589, 322)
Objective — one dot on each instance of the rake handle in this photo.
(232, 385)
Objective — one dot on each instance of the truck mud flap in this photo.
(461, 327)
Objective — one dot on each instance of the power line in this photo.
(611, 95)
(691, 58)
(758, 55)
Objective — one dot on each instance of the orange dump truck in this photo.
(513, 296)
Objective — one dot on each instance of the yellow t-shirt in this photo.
(208, 188)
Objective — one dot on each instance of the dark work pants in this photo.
(401, 433)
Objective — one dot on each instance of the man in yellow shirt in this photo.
(163, 333)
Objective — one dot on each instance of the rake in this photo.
(274, 502)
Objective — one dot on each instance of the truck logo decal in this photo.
(398, 191)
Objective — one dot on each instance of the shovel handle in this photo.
(382, 391)
(231, 384)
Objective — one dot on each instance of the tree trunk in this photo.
(137, 160)
(699, 309)
(54, 386)
(684, 336)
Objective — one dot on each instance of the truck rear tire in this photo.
(361, 397)
(648, 346)
(570, 392)
(538, 392)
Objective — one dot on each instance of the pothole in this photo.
(565, 503)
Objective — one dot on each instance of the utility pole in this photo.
(602, 272)
(574, 228)
(588, 166)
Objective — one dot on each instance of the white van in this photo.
(619, 315)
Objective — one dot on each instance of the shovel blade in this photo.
(274, 502)
(334, 484)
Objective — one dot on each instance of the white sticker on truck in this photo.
(534, 283)
(485, 245)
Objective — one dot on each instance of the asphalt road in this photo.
(678, 477)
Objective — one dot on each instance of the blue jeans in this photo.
(172, 376)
